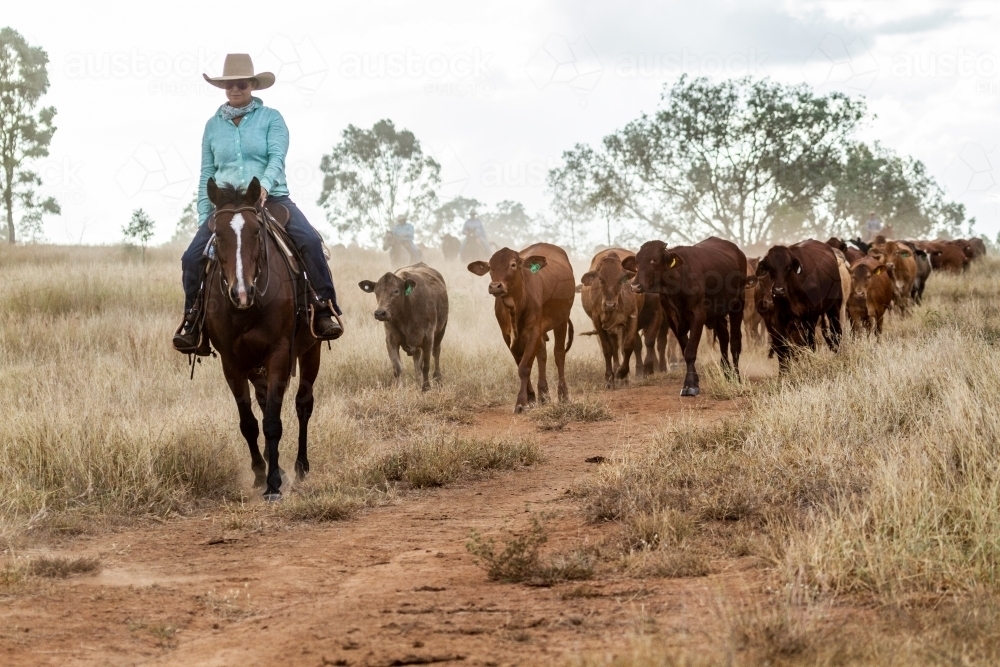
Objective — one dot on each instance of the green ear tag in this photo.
(535, 268)
(409, 290)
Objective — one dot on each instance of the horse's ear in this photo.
(279, 213)
(213, 192)
(253, 192)
(367, 286)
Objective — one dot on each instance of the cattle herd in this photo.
(790, 294)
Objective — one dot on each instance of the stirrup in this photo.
(311, 313)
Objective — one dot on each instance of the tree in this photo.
(509, 225)
(139, 229)
(733, 159)
(373, 175)
(449, 217)
(898, 189)
(24, 136)
(188, 225)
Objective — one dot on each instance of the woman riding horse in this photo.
(243, 140)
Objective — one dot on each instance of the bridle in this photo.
(261, 216)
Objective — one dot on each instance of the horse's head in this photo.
(239, 239)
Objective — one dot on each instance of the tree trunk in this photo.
(8, 202)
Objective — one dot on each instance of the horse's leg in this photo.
(248, 423)
(308, 370)
(277, 382)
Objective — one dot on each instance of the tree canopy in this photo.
(753, 161)
(24, 135)
(374, 175)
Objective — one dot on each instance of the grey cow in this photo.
(413, 305)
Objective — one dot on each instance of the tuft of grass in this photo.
(62, 567)
(437, 459)
(519, 559)
(556, 416)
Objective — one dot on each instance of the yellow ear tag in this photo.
(673, 262)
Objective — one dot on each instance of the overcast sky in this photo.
(496, 91)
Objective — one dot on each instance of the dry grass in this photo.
(556, 416)
(102, 424)
(872, 471)
(519, 559)
(61, 567)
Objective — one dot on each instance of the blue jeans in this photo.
(306, 239)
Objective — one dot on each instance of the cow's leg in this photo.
(531, 340)
(277, 382)
(630, 341)
(736, 340)
(606, 350)
(392, 347)
(418, 355)
(437, 354)
(543, 381)
(722, 335)
(559, 351)
(836, 328)
(308, 370)
(425, 363)
(248, 423)
(691, 354)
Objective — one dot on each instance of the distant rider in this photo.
(873, 226)
(403, 232)
(244, 139)
(474, 229)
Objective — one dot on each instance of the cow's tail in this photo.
(569, 336)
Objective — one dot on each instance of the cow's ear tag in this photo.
(673, 262)
(535, 268)
(408, 291)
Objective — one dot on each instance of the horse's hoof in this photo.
(272, 497)
(301, 471)
(690, 391)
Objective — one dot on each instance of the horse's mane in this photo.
(231, 194)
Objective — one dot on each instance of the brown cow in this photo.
(806, 287)
(945, 256)
(978, 247)
(618, 315)
(534, 291)
(413, 305)
(899, 260)
(850, 254)
(923, 271)
(870, 296)
(700, 285)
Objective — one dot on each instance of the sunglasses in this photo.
(239, 85)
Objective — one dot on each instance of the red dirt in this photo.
(393, 586)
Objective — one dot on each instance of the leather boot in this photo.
(325, 326)
(186, 340)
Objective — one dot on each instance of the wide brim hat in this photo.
(239, 66)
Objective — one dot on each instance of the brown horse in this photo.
(255, 319)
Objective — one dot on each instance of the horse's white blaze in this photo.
(237, 223)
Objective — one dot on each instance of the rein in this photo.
(261, 239)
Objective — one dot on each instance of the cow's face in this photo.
(652, 265)
(506, 268)
(608, 278)
(861, 277)
(763, 297)
(783, 269)
(392, 293)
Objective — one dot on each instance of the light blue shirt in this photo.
(234, 154)
(403, 231)
(474, 226)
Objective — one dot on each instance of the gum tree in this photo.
(24, 135)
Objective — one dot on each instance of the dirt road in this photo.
(394, 586)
